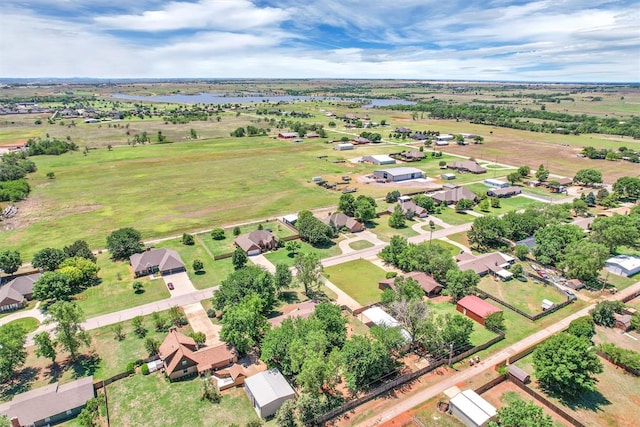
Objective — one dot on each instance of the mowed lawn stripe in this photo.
(359, 279)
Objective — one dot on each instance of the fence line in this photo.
(533, 318)
(631, 296)
(491, 384)
(621, 366)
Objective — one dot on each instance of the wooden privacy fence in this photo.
(535, 317)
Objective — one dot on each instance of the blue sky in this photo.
(554, 40)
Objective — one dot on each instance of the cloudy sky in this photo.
(554, 40)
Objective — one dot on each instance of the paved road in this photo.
(488, 363)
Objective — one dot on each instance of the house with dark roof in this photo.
(467, 166)
(402, 130)
(267, 391)
(495, 263)
(340, 220)
(14, 294)
(256, 242)
(151, 261)
(476, 308)
(412, 155)
(429, 285)
(410, 206)
(359, 140)
(48, 405)
(181, 357)
(453, 195)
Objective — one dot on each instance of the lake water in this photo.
(218, 98)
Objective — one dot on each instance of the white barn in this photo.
(267, 392)
(379, 159)
(472, 409)
(398, 174)
(623, 265)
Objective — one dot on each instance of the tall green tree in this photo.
(10, 261)
(282, 277)
(519, 413)
(239, 259)
(48, 259)
(244, 282)
(617, 230)
(123, 243)
(364, 361)
(566, 364)
(413, 316)
(12, 353)
(52, 285)
(603, 312)
(583, 327)
(45, 346)
(68, 318)
(365, 210)
(461, 283)
(542, 174)
(397, 219)
(309, 272)
(588, 177)
(552, 241)
(628, 188)
(243, 324)
(487, 232)
(584, 260)
(79, 248)
(347, 204)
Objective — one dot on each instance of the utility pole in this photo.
(450, 353)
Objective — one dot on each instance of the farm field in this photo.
(359, 279)
(614, 403)
(526, 296)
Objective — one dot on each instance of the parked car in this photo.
(570, 294)
(521, 278)
(170, 286)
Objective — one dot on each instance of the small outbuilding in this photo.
(476, 308)
(622, 321)
(547, 305)
(496, 183)
(519, 374)
(623, 265)
(344, 147)
(267, 392)
(472, 409)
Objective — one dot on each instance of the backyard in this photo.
(282, 256)
(359, 279)
(480, 334)
(451, 217)
(526, 296)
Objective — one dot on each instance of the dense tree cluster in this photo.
(243, 283)
(53, 146)
(123, 243)
(13, 168)
(312, 230)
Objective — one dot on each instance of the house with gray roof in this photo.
(466, 166)
(14, 294)
(267, 392)
(165, 261)
(256, 242)
(49, 404)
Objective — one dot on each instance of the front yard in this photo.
(359, 279)
(380, 227)
(223, 246)
(282, 256)
(451, 217)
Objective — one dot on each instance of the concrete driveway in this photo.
(181, 283)
(200, 322)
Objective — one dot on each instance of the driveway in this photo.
(262, 261)
(181, 283)
(200, 322)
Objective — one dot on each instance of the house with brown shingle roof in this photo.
(256, 242)
(494, 263)
(340, 220)
(165, 261)
(14, 294)
(410, 206)
(453, 195)
(302, 310)
(429, 285)
(467, 166)
(181, 356)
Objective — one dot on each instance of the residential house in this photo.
(378, 159)
(444, 137)
(312, 135)
(48, 405)
(256, 242)
(430, 286)
(467, 166)
(622, 321)
(165, 261)
(453, 194)
(377, 316)
(476, 308)
(402, 130)
(504, 192)
(288, 135)
(181, 356)
(412, 155)
(302, 310)
(267, 392)
(472, 409)
(496, 183)
(410, 206)
(398, 174)
(360, 140)
(623, 265)
(14, 295)
(340, 220)
(495, 263)
(418, 136)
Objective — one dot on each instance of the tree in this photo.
(552, 240)
(365, 210)
(464, 205)
(52, 285)
(615, 231)
(364, 361)
(243, 324)
(176, 315)
(628, 188)
(159, 322)
(152, 346)
(580, 206)
(285, 416)
(425, 202)
(282, 277)
(412, 315)
(392, 196)
(138, 287)
(542, 174)
(524, 171)
(603, 312)
(347, 204)
(236, 231)
(79, 248)
(312, 230)
(405, 289)
(487, 232)
(521, 252)
(138, 326)
(583, 260)
(519, 413)
(461, 283)
(514, 177)
(309, 272)
(239, 132)
(187, 239)
(217, 234)
(193, 134)
(241, 283)
(81, 271)
(332, 322)
(393, 252)
(590, 199)
(199, 337)
(10, 261)
(12, 352)
(68, 318)
(484, 205)
(293, 246)
(397, 219)
(564, 364)
(444, 331)
(239, 259)
(210, 392)
(495, 202)
(517, 270)
(588, 177)
(118, 332)
(48, 259)
(635, 321)
(495, 322)
(123, 243)
(583, 327)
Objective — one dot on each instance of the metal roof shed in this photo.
(519, 374)
(472, 409)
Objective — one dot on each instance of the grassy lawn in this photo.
(114, 354)
(359, 279)
(451, 217)
(543, 192)
(219, 247)
(211, 275)
(132, 399)
(453, 249)
(359, 245)
(380, 227)
(508, 204)
(29, 324)
(115, 293)
(620, 282)
(480, 334)
(462, 239)
(526, 296)
(614, 403)
(281, 255)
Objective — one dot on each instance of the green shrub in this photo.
(144, 369)
(391, 274)
(130, 367)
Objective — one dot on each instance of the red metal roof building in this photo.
(476, 308)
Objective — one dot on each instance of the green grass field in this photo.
(451, 217)
(380, 227)
(29, 324)
(359, 245)
(282, 256)
(359, 279)
(526, 296)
